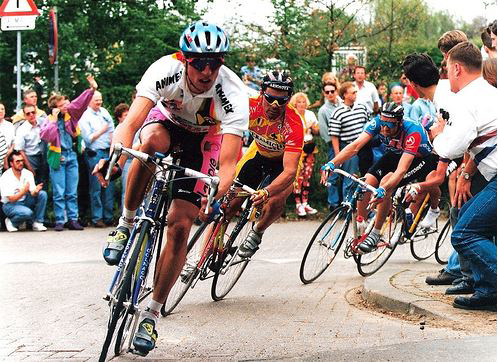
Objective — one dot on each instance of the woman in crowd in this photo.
(302, 184)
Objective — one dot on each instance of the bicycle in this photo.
(129, 286)
(443, 244)
(330, 235)
(216, 258)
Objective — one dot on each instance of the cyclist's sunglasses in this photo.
(389, 125)
(201, 63)
(272, 99)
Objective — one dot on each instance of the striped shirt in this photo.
(347, 122)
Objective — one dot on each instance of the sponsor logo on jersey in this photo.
(410, 141)
(269, 144)
(227, 106)
(166, 81)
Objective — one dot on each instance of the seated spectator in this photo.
(28, 142)
(23, 201)
(97, 127)
(29, 98)
(62, 132)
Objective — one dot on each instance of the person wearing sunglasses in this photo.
(278, 134)
(408, 157)
(27, 140)
(191, 100)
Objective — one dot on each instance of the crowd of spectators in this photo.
(53, 153)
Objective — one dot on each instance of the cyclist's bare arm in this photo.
(352, 149)
(288, 174)
(403, 165)
(125, 132)
(436, 177)
(230, 147)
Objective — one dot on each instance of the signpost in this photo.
(18, 15)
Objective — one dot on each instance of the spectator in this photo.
(409, 93)
(492, 33)
(3, 151)
(367, 93)
(23, 201)
(489, 71)
(251, 74)
(473, 234)
(327, 77)
(96, 128)
(487, 51)
(345, 125)
(29, 98)
(62, 132)
(332, 101)
(396, 96)
(382, 91)
(347, 73)
(6, 127)
(300, 101)
(30, 145)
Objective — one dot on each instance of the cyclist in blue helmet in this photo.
(192, 100)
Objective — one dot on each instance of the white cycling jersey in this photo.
(226, 104)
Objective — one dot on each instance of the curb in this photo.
(379, 290)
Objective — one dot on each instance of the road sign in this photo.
(18, 8)
(18, 22)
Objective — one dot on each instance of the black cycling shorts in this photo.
(253, 168)
(419, 169)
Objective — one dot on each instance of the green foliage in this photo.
(116, 40)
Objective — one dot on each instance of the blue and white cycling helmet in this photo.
(204, 38)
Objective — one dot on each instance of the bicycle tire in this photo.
(368, 264)
(441, 253)
(225, 279)
(423, 241)
(326, 251)
(180, 288)
(124, 292)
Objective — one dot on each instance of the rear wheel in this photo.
(423, 241)
(230, 264)
(324, 245)
(391, 233)
(184, 281)
(443, 244)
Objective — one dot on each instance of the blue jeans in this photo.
(333, 181)
(40, 167)
(473, 235)
(32, 208)
(65, 187)
(102, 199)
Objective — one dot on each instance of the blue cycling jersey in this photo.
(412, 139)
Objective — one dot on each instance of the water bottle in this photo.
(408, 219)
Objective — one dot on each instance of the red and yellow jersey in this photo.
(273, 138)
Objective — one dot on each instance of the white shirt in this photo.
(367, 95)
(472, 127)
(226, 103)
(309, 121)
(11, 185)
(443, 96)
(8, 130)
(28, 139)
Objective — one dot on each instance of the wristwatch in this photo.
(465, 175)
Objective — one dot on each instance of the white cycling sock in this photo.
(126, 220)
(376, 231)
(436, 210)
(154, 308)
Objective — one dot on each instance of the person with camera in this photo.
(62, 133)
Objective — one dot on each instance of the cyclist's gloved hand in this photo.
(100, 170)
(411, 192)
(378, 196)
(215, 210)
(260, 196)
(326, 169)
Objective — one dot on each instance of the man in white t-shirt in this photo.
(367, 93)
(23, 201)
(197, 100)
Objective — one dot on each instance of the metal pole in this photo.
(18, 71)
(56, 75)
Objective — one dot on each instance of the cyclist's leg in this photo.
(272, 209)
(363, 203)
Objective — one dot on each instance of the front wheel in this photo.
(230, 264)
(443, 244)
(324, 245)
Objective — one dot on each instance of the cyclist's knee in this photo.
(154, 138)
